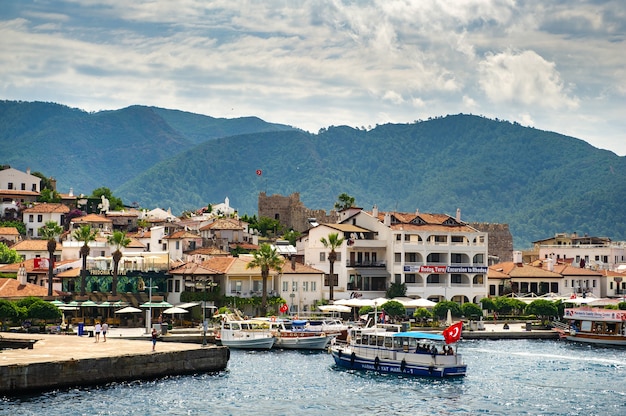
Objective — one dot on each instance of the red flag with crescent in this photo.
(259, 172)
(453, 333)
(284, 308)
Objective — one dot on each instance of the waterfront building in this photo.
(435, 255)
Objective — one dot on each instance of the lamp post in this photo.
(149, 317)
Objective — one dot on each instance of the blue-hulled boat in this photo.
(385, 349)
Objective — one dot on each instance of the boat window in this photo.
(397, 342)
(412, 344)
(372, 340)
(380, 341)
(236, 326)
(388, 342)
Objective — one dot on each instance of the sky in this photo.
(556, 65)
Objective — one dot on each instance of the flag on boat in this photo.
(453, 333)
(382, 317)
(259, 172)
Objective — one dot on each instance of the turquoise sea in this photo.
(521, 377)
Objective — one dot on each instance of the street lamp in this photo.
(149, 317)
(204, 321)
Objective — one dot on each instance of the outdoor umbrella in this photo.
(175, 310)
(128, 309)
(334, 308)
(420, 303)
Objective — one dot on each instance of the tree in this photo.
(8, 311)
(488, 304)
(114, 202)
(119, 240)
(50, 231)
(441, 309)
(266, 258)
(344, 201)
(49, 195)
(264, 225)
(333, 242)
(471, 310)
(42, 310)
(542, 309)
(394, 309)
(396, 290)
(86, 235)
(422, 314)
(21, 227)
(291, 236)
(8, 255)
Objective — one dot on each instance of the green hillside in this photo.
(85, 151)
(538, 182)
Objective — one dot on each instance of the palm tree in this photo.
(332, 242)
(86, 235)
(119, 240)
(266, 258)
(50, 231)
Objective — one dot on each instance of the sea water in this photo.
(512, 377)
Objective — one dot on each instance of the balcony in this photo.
(356, 263)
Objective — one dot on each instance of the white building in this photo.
(437, 256)
(38, 215)
(596, 253)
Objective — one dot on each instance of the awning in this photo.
(373, 272)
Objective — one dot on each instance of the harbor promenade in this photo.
(69, 360)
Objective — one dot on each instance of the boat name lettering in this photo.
(448, 269)
(595, 314)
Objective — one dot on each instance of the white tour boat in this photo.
(246, 335)
(385, 349)
(295, 335)
(596, 326)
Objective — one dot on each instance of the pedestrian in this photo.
(105, 328)
(97, 330)
(154, 338)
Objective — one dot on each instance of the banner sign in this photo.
(445, 269)
(595, 314)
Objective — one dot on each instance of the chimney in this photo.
(550, 263)
(28, 171)
(417, 212)
(293, 262)
(71, 192)
(21, 274)
(387, 220)
(375, 211)
(517, 257)
(458, 215)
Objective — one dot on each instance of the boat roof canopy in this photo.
(420, 335)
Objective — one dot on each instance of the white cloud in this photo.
(313, 64)
(525, 78)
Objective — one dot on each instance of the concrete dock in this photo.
(58, 361)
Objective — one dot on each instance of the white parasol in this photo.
(174, 310)
(128, 309)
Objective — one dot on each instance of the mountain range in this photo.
(539, 182)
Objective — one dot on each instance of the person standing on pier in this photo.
(105, 328)
(154, 338)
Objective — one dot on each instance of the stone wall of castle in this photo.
(291, 212)
(500, 239)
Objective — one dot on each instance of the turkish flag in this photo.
(453, 333)
(259, 172)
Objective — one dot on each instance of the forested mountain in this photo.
(538, 182)
(88, 150)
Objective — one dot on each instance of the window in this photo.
(10, 185)
(433, 278)
(456, 278)
(398, 237)
(23, 187)
(39, 218)
(409, 278)
(169, 285)
(407, 237)
(177, 245)
(235, 287)
(34, 187)
(322, 256)
(313, 287)
(305, 286)
(294, 286)
(285, 286)
(164, 246)
(31, 217)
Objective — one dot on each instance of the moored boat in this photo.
(596, 326)
(294, 335)
(329, 326)
(246, 335)
(386, 349)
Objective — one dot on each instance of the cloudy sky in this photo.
(555, 65)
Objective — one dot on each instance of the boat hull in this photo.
(303, 342)
(619, 341)
(249, 344)
(346, 359)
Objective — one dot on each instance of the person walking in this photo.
(154, 338)
(97, 330)
(105, 328)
